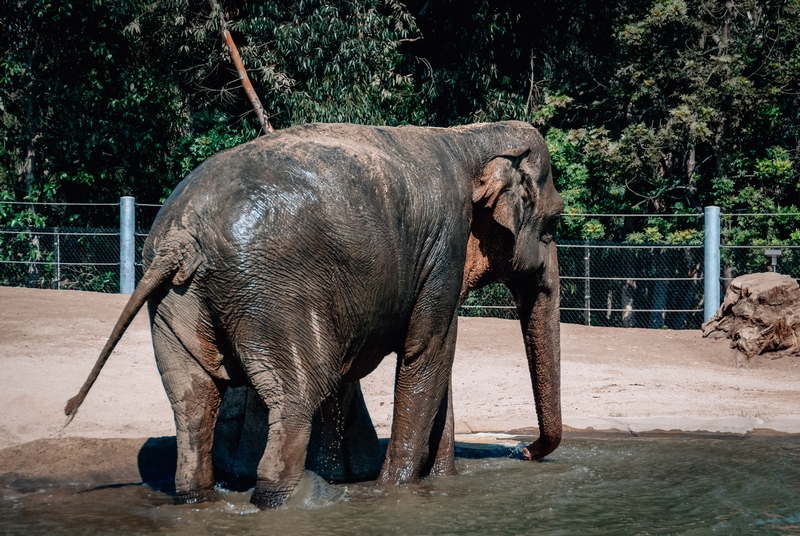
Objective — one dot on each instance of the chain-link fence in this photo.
(69, 257)
(625, 285)
(764, 232)
(651, 285)
(60, 258)
(740, 260)
(611, 284)
(602, 283)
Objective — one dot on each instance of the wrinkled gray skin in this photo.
(296, 262)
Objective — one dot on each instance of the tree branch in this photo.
(266, 127)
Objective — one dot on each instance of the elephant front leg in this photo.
(421, 386)
(442, 446)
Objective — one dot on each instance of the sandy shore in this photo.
(625, 380)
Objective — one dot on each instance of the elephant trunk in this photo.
(537, 300)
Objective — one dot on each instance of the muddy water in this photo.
(591, 486)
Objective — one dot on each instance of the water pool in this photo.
(592, 486)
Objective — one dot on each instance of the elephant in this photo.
(296, 262)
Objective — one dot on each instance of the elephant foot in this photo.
(194, 497)
(444, 468)
(398, 474)
(267, 496)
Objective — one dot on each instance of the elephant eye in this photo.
(549, 231)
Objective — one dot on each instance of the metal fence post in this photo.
(711, 271)
(127, 244)
(587, 290)
(58, 259)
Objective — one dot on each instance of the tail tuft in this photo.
(71, 408)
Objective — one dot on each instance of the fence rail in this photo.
(602, 283)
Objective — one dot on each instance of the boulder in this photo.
(760, 314)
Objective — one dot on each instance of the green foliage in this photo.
(213, 131)
(662, 106)
(19, 243)
(309, 61)
(706, 82)
(102, 99)
(655, 107)
(493, 296)
(593, 230)
(85, 112)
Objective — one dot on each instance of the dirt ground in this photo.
(633, 380)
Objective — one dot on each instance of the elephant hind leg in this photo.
(195, 400)
(362, 450)
(281, 468)
(291, 402)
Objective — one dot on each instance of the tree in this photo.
(94, 110)
(104, 99)
(694, 104)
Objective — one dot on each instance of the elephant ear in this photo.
(498, 188)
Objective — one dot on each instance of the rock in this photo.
(760, 314)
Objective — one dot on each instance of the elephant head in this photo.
(515, 211)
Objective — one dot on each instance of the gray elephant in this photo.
(296, 262)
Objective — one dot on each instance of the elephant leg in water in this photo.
(343, 447)
(195, 398)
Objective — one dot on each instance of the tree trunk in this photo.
(660, 287)
(29, 166)
(29, 170)
(628, 288)
(691, 163)
(760, 315)
(726, 29)
(720, 134)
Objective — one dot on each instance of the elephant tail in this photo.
(159, 272)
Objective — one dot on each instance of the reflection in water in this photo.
(594, 486)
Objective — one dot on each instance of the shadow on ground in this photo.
(94, 463)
